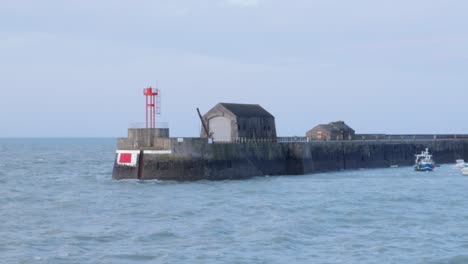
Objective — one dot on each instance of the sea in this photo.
(59, 204)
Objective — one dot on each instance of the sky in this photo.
(77, 68)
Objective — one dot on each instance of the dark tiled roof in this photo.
(336, 126)
(247, 110)
(340, 125)
(326, 128)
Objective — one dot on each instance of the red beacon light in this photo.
(153, 106)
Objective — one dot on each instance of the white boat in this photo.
(424, 161)
(460, 164)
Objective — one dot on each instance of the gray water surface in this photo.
(58, 204)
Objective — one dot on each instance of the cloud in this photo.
(243, 3)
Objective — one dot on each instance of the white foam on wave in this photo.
(40, 160)
(132, 181)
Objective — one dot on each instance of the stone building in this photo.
(227, 122)
(332, 131)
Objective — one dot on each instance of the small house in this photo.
(227, 122)
(332, 131)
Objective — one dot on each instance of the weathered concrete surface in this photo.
(195, 159)
(145, 138)
(125, 172)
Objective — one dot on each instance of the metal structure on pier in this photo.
(153, 105)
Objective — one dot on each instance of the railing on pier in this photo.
(293, 139)
(272, 140)
(360, 137)
(240, 140)
(409, 137)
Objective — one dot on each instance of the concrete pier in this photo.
(150, 154)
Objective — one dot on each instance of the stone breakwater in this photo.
(191, 159)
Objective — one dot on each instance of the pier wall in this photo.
(328, 156)
(191, 159)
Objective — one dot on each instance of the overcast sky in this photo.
(78, 67)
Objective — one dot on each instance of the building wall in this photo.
(221, 128)
(256, 127)
(219, 111)
(319, 133)
(348, 135)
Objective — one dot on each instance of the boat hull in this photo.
(428, 167)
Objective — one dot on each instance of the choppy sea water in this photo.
(58, 204)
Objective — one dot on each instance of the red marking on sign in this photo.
(125, 158)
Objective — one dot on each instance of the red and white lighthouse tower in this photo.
(153, 106)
